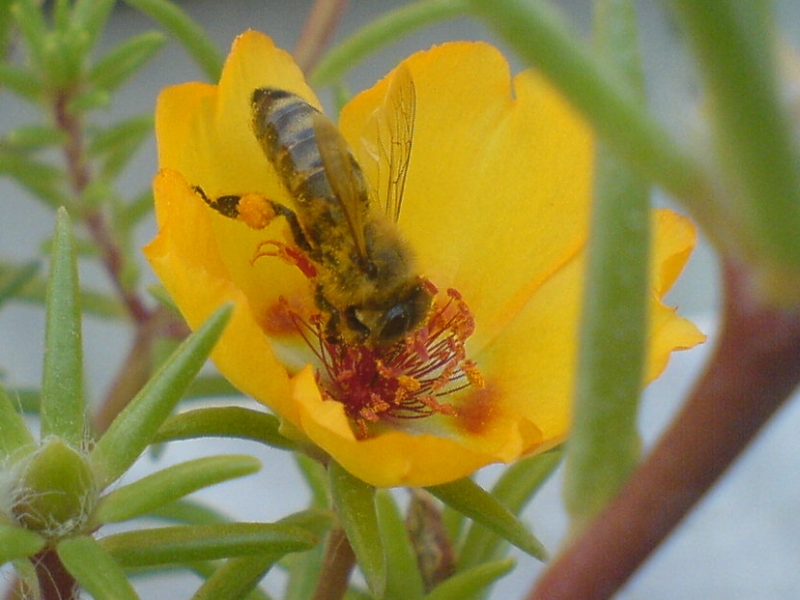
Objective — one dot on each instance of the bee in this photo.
(366, 282)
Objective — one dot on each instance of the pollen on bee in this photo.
(256, 211)
(411, 379)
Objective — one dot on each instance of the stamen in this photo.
(411, 379)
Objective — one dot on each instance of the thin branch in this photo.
(317, 32)
(95, 221)
(336, 567)
(55, 582)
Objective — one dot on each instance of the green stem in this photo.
(381, 32)
(735, 46)
(604, 442)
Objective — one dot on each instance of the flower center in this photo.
(410, 379)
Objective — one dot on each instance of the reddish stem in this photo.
(337, 565)
(55, 582)
(318, 29)
(95, 221)
(755, 367)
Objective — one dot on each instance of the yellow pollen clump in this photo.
(408, 383)
(255, 210)
(474, 376)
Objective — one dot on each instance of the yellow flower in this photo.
(495, 207)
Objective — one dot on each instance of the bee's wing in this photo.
(345, 177)
(388, 140)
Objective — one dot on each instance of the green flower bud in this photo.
(55, 490)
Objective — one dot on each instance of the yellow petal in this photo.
(391, 459)
(675, 238)
(185, 257)
(534, 359)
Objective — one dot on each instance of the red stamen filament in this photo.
(407, 380)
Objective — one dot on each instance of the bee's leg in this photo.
(257, 212)
(287, 253)
(332, 333)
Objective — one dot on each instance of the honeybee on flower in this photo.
(484, 187)
(363, 270)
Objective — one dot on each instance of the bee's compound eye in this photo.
(397, 322)
(405, 316)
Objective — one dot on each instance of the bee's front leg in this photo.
(333, 335)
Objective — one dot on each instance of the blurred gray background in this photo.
(743, 541)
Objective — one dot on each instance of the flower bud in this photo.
(55, 489)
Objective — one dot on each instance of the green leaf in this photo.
(89, 99)
(17, 543)
(88, 20)
(27, 400)
(18, 279)
(225, 421)
(170, 484)
(604, 441)
(34, 137)
(316, 478)
(119, 64)
(239, 576)
(6, 27)
(28, 16)
(303, 571)
(184, 544)
(514, 489)
(209, 386)
(21, 81)
(135, 426)
(236, 578)
(188, 512)
(119, 143)
(315, 520)
(471, 582)
(381, 32)
(735, 46)
(34, 290)
(200, 47)
(63, 410)
(60, 15)
(14, 434)
(139, 207)
(479, 505)
(40, 179)
(403, 577)
(355, 502)
(94, 569)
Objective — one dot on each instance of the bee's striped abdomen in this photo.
(283, 123)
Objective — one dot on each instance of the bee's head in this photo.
(393, 320)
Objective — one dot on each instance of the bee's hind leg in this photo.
(257, 212)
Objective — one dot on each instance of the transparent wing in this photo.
(346, 179)
(390, 132)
